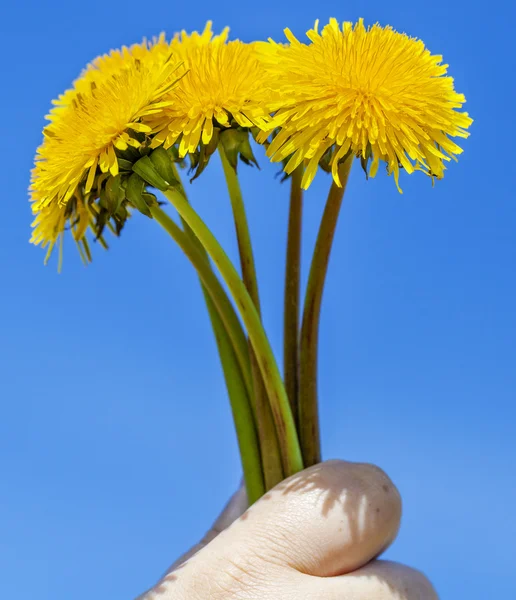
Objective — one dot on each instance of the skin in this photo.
(315, 536)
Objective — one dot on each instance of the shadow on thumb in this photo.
(327, 520)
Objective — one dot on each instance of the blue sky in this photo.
(116, 440)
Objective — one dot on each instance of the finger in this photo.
(381, 580)
(234, 509)
(327, 520)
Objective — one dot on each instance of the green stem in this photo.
(232, 373)
(308, 408)
(195, 252)
(232, 345)
(285, 426)
(245, 247)
(292, 286)
(241, 409)
(269, 445)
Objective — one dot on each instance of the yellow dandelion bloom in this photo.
(101, 114)
(155, 52)
(223, 82)
(375, 93)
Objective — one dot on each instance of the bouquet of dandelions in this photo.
(115, 140)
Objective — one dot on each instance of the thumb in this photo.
(327, 520)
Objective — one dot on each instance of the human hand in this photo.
(315, 536)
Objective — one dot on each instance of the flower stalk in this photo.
(309, 431)
(269, 446)
(226, 332)
(238, 393)
(283, 420)
(292, 292)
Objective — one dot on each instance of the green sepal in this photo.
(162, 162)
(114, 194)
(140, 137)
(364, 160)
(134, 192)
(102, 242)
(124, 165)
(147, 171)
(246, 151)
(119, 219)
(283, 176)
(129, 155)
(255, 131)
(230, 141)
(235, 143)
(326, 159)
(150, 199)
(212, 145)
(103, 201)
(86, 247)
(173, 152)
(199, 160)
(101, 220)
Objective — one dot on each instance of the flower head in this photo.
(89, 126)
(373, 93)
(223, 85)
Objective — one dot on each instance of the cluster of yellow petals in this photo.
(372, 92)
(223, 80)
(166, 90)
(100, 113)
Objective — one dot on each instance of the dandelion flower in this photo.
(224, 84)
(373, 93)
(101, 115)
